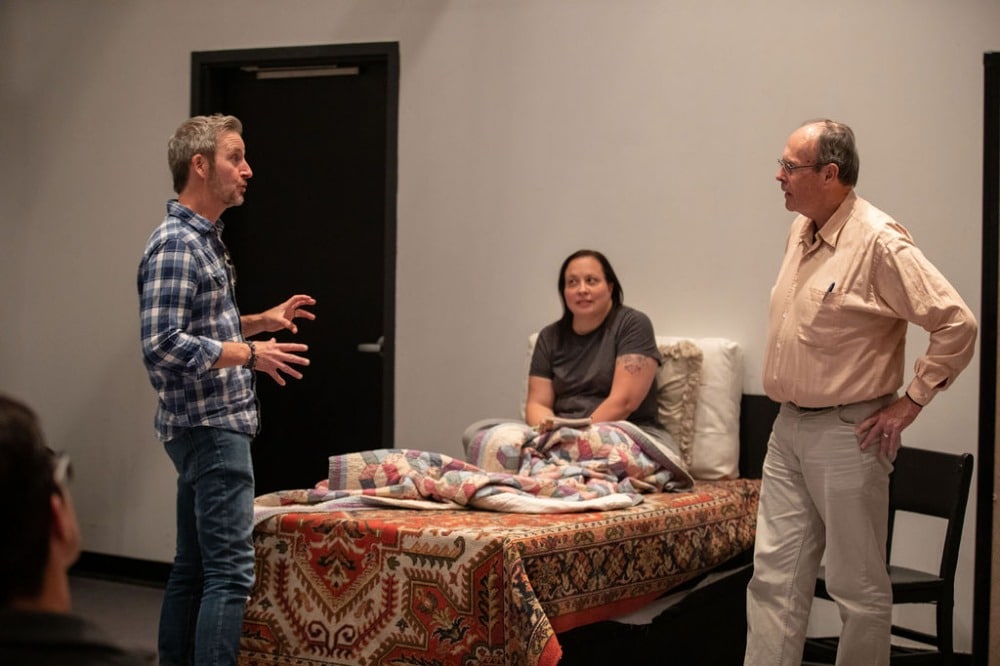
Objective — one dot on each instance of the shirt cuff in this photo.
(920, 392)
(211, 350)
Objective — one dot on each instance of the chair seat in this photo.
(823, 650)
(908, 585)
(912, 586)
(904, 576)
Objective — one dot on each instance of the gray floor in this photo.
(128, 613)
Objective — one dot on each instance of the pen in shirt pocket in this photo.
(829, 290)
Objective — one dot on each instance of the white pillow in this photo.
(527, 368)
(678, 385)
(716, 448)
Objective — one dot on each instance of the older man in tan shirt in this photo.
(849, 284)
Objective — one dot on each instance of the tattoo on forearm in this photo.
(633, 363)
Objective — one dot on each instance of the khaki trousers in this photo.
(820, 491)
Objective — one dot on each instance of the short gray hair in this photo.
(835, 145)
(196, 135)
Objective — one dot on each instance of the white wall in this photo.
(528, 129)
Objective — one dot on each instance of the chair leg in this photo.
(820, 650)
(945, 620)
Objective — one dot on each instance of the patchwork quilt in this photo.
(510, 467)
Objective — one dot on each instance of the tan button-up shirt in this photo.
(840, 308)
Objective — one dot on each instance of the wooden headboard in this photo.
(757, 413)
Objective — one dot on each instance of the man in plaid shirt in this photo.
(200, 360)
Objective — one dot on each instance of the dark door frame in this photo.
(206, 66)
(986, 483)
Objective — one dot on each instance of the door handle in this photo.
(372, 347)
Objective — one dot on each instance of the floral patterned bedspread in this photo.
(442, 587)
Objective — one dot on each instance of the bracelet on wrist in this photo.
(252, 361)
(907, 394)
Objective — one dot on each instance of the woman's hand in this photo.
(553, 422)
(544, 426)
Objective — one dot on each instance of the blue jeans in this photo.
(212, 575)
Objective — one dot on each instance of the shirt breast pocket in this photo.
(212, 271)
(823, 321)
(216, 278)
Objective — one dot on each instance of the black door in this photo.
(319, 218)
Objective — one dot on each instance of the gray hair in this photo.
(196, 135)
(835, 145)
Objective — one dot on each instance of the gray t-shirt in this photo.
(582, 367)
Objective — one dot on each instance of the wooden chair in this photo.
(929, 483)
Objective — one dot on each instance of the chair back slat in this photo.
(932, 483)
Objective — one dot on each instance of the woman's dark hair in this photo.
(617, 293)
(26, 485)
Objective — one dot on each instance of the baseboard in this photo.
(122, 569)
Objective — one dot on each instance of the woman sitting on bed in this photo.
(598, 365)
(600, 359)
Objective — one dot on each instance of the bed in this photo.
(406, 586)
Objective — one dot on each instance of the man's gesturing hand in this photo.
(274, 357)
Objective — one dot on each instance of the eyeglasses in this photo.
(789, 167)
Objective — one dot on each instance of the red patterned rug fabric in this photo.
(400, 586)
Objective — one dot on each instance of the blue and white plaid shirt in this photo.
(187, 309)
